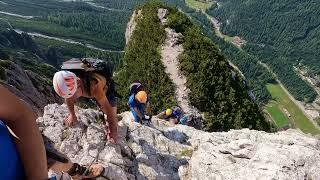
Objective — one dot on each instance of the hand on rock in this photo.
(71, 120)
(111, 136)
(96, 170)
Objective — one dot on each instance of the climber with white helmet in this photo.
(65, 83)
(90, 78)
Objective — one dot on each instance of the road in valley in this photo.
(70, 41)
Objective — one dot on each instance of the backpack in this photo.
(80, 66)
(193, 120)
(134, 87)
(176, 111)
(85, 67)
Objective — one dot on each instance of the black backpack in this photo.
(85, 67)
(80, 66)
(196, 121)
(135, 87)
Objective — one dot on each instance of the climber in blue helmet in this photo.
(22, 151)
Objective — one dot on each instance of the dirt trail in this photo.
(3, 3)
(103, 7)
(17, 15)
(169, 53)
(236, 40)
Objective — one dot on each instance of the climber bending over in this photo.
(91, 82)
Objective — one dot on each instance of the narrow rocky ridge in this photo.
(132, 25)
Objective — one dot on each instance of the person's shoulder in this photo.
(131, 96)
(131, 100)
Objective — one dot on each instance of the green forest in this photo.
(22, 50)
(216, 88)
(280, 43)
(74, 20)
(256, 75)
(281, 34)
(142, 61)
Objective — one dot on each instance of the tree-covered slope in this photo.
(216, 89)
(282, 34)
(142, 61)
(22, 50)
(80, 21)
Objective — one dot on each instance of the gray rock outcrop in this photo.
(162, 151)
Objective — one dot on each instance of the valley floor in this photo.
(283, 109)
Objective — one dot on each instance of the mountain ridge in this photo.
(216, 89)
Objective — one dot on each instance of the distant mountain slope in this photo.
(74, 20)
(23, 71)
(282, 34)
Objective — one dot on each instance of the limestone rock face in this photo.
(132, 25)
(161, 151)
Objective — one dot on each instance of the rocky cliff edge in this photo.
(162, 151)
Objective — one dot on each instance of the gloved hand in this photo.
(147, 118)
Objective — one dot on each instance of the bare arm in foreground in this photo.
(30, 144)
